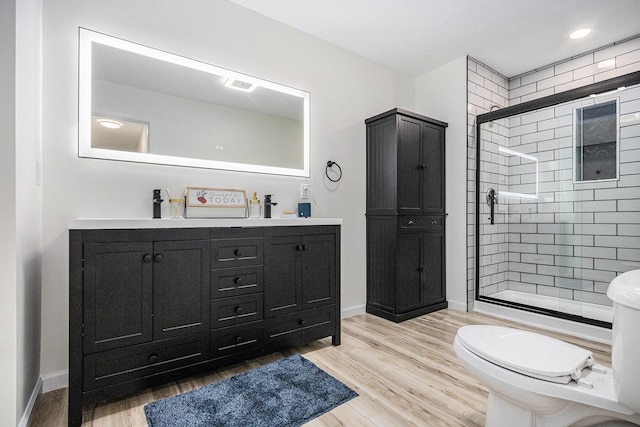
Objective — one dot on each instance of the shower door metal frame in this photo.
(525, 107)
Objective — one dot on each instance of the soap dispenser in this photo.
(254, 207)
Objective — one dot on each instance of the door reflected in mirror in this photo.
(168, 109)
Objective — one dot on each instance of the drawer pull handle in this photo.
(410, 222)
(147, 258)
(421, 269)
(238, 309)
(238, 338)
(237, 280)
(302, 322)
(237, 252)
(433, 221)
(153, 358)
(158, 258)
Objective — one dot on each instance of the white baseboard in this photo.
(457, 305)
(55, 380)
(32, 402)
(354, 310)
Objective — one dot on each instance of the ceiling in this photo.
(416, 36)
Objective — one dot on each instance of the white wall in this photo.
(345, 89)
(8, 284)
(28, 140)
(20, 216)
(441, 94)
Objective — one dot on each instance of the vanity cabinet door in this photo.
(318, 270)
(181, 287)
(117, 295)
(282, 275)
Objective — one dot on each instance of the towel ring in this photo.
(326, 171)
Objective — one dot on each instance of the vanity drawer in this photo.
(235, 252)
(125, 364)
(237, 310)
(421, 222)
(231, 341)
(228, 282)
(299, 328)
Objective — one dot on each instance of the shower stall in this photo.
(558, 200)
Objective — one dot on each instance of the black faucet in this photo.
(267, 205)
(157, 203)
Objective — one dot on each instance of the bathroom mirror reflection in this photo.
(144, 105)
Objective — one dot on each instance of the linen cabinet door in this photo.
(117, 295)
(410, 294)
(282, 275)
(318, 270)
(434, 260)
(410, 165)
(181, 287)
(432, 179)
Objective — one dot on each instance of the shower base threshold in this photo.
(585, 309)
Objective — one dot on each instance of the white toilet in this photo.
(535, 380)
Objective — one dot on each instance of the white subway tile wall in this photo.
(575, 237)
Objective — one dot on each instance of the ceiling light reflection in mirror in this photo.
(178, 111)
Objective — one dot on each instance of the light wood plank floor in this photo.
(406, 374)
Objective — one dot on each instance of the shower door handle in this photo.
(492, 200)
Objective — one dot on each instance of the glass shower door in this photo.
(563, 183)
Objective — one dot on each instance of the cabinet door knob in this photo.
(158, 257)
(238, 309)
(147, 258)
(421, 269)
(153, 358)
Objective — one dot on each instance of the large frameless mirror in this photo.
(141, 104)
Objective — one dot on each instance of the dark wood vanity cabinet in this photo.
(152, 305)
(301, 296)
(405, 215)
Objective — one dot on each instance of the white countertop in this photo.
(123, 223)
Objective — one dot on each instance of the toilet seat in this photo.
(527, 353)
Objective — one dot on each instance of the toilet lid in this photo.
(525, 352)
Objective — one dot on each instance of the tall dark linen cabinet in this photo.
(405, 215)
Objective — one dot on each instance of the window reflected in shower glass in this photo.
(596, 141)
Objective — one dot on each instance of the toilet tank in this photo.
(624, 291)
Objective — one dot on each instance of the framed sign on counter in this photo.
(205, 202)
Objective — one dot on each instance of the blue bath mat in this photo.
(288, 392)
